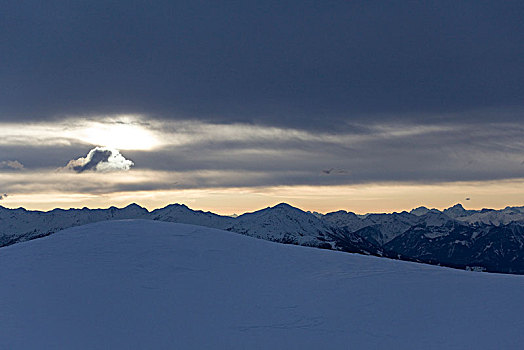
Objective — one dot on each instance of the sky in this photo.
(231, 106)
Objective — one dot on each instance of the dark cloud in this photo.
(11, 164)
(91, 161)
(34, 156)
(304, 64)
(3, 196)
(100, 159)
(464, 154)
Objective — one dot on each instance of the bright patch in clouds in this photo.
(131, 132)
(119, 132)
(119, 135)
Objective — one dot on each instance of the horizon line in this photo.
(247, 212)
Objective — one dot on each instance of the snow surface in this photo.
(140, 284)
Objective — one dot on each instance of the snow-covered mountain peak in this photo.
(514, 210)
(316, 214)
(495, 217)
(344, 218)
(281, 211)
(174, 206)
(282, 223)
(382, 228)
(134, 206)
(283, 207)
(457, 211)
(435, 218)
(457, 206)
(182, 214)
(419, 211)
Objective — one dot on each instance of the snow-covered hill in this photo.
(150, 285)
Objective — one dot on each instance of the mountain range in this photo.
(483, 240)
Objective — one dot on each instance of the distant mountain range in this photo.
(484, 240)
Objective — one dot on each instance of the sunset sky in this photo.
(367, 106)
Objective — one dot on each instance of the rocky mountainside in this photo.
(487, 239)
(455, 244)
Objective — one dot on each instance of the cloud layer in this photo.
(202, 155)
(100, 159)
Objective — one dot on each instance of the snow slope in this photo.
(140, 284)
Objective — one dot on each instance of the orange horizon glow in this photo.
(361, 199)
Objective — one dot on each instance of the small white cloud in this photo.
(11, 164)
(101, 159)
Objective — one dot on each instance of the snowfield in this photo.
(140, 284)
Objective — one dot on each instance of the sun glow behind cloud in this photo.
(121, 132)
(122, 136)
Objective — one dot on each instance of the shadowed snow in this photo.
(138, 284)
